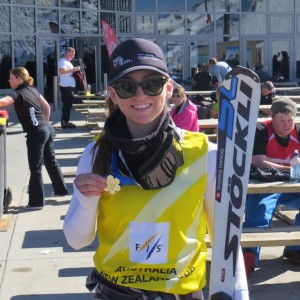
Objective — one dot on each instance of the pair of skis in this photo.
(238, 111)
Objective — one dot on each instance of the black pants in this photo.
(67, 98)
(40, 149)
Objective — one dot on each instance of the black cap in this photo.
(136, 54)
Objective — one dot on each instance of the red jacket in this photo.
(275, 151)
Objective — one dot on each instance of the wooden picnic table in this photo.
(89, 102)
(261, 187)
(267, 107)
(213, 123)
(285, 84)
(91, 96)
(194, 93)
(287, 90)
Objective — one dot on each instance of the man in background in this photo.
(218, 70)
(202, 79)
(67, 86)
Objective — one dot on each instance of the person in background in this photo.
(214, 108)
(274, 145)
(262, 73)
(267, 96)
(184, 112)
(202, 79)
(67, 86)
(33, 112)
(218, 70)
(275, 68)
(267, 93)
(147, 188)
(285, 66)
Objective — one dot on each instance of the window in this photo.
(199, 6)
(145, 24)
(171, 6)
(253, 24)
(5, 61)
(47, 20)
(90, 22)
(69, 3)
(282, 24)
(69, 21)
(144, 5)
(124, 24)
(281, 6)
(171, 24)
(23, 19)
(227, 6)
(5, 19)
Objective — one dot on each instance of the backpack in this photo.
(203, 106)
(80, 76)
(268, 174)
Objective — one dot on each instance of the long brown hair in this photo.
(102, 149)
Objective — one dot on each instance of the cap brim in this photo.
(120, 75)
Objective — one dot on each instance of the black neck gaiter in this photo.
(135, 151)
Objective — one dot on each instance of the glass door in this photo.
(254, 54)
(52, 49)
(47, 81)
(280, 51)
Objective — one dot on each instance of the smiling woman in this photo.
(145, 187)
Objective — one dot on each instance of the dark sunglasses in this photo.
(151, 87)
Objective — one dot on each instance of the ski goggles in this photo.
(152, 87)
(160, 170)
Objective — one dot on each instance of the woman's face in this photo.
(142, 110)
(177, 98)
(14, 81)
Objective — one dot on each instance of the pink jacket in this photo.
(187, 117)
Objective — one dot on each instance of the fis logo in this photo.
(149, 242)
(151, 245)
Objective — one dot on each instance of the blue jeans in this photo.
(40, 149)
(260, 209)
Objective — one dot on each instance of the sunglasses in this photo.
(151, 87)
(176, 96)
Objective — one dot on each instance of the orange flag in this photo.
(109, 37)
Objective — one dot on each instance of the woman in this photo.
(184, 112)
(33, 112)
(144, 186)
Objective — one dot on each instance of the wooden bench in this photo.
(96, 131)
(285, 84)
(213, 123)
(212, 136)
(269, 237)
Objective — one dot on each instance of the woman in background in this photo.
(184, 112)
(33, 112)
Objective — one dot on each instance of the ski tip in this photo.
(239, 70)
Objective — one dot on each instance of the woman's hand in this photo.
(90, 184)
